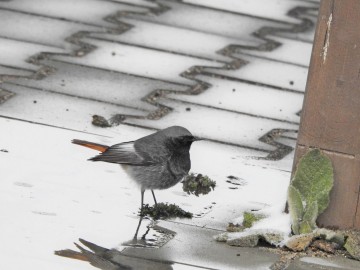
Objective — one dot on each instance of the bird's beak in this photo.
(197, 139)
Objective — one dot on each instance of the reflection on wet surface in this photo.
(154, 235)
(110, 259)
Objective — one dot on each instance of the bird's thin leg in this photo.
(138, 227)
(142, 202)
(141, 214)
(154, 197)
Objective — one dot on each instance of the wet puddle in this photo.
(154, 237)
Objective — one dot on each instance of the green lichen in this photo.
(164, 211)
(198, 184)
(251, 218)
(308, 194)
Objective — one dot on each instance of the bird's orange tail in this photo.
(95, 146)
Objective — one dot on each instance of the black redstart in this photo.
(157, 161)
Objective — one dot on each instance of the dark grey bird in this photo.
(157, 161)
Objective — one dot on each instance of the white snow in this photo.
(271, 9)
(15, 53)
(32, 105)
(87, 11)
(139, 61)
(247, 98)
(290, 51)
(4, 70)
(216, 22)
(51, 196)
(269, 72)
(167, 37)
(33, 28)
(101, 85)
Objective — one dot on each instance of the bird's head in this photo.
(181, 144)
(186, 140)
(180, 138)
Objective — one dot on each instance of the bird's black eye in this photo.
(180, 140)
(185, 140)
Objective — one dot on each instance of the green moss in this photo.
(308, 194)
(100, 121)
(198, 184)
(164, 211)
(251, 218)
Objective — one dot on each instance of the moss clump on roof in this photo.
(164, 211)
(198, 184)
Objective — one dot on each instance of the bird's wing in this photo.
(123, 153)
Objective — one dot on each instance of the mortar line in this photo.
(32, 42)
(238, 13)
(148, 20)
(232, 111)
(131, 4)
(279, 35)
(229, 78)
(157, 49)
(59, 18)
(74, 96)
(119, 72)
(248, 53)
(53, 126)
(328, 150)
(17, 68)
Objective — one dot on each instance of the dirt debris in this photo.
(164, 211)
